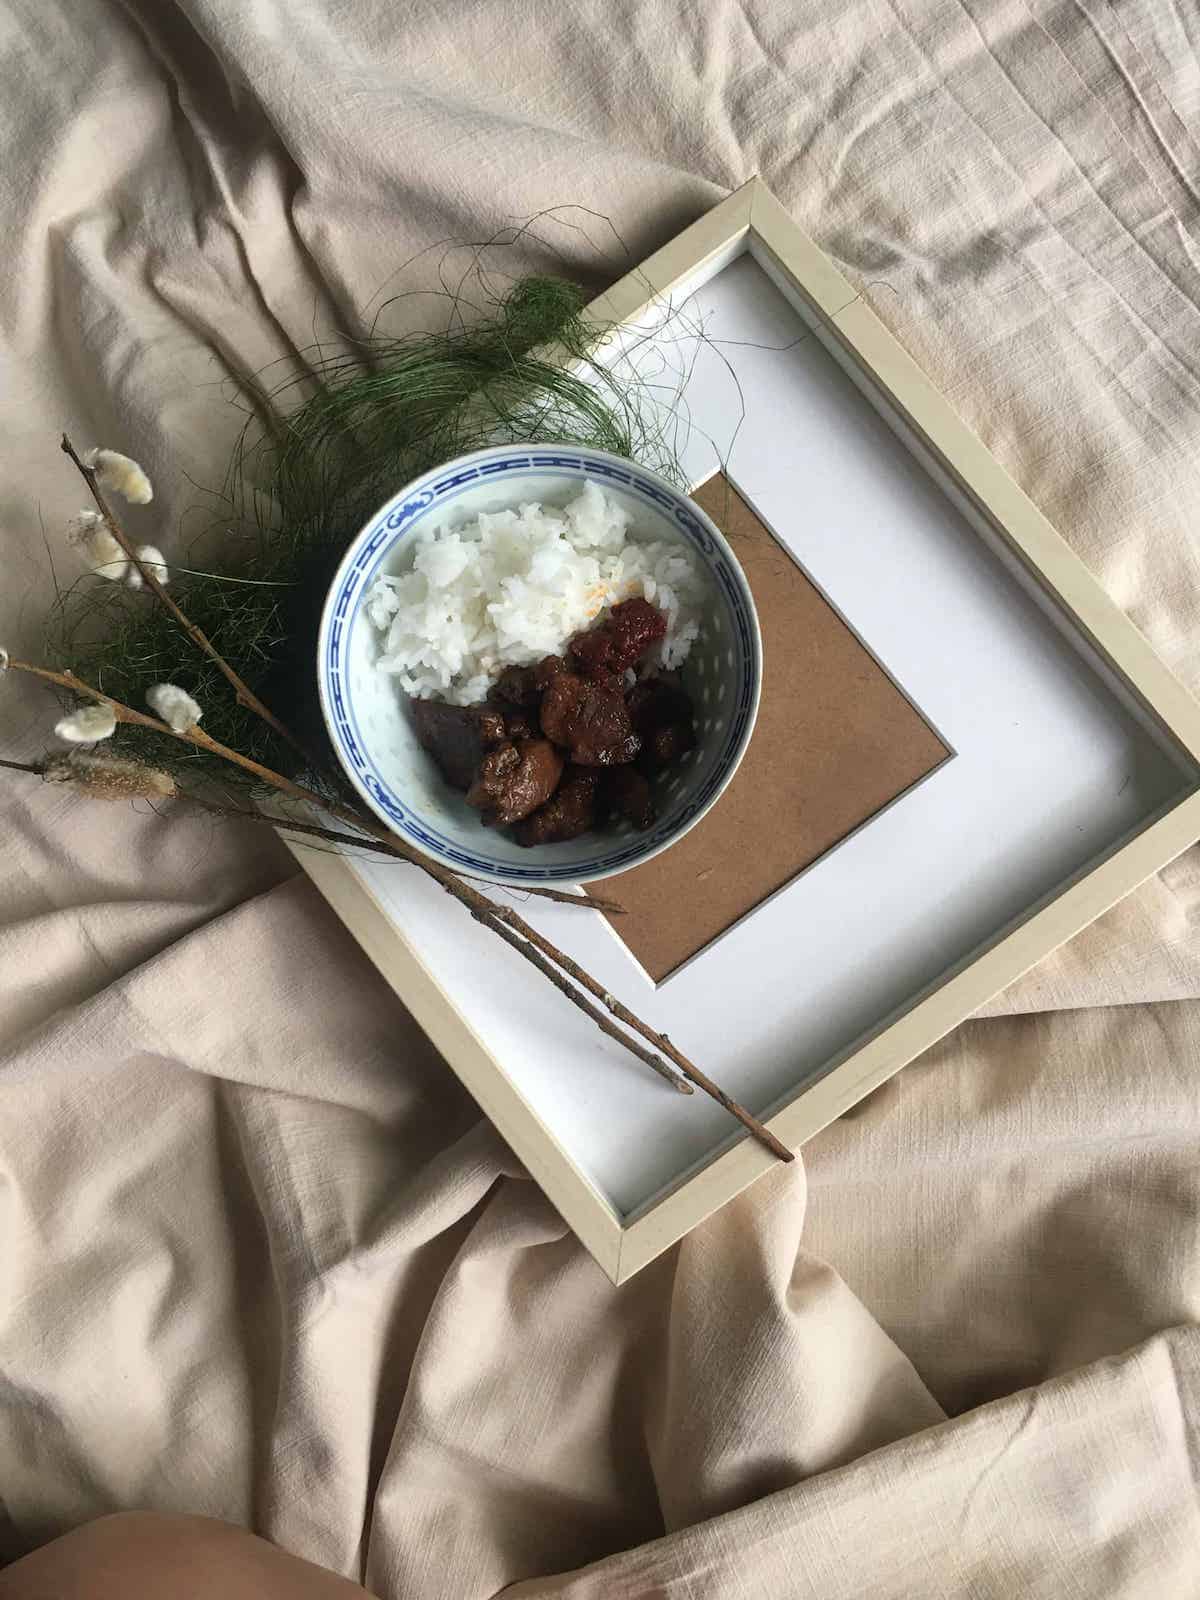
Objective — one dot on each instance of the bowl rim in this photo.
(567, 875)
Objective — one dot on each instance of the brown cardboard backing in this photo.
(834, 743)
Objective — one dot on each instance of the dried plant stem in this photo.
(379, 846)
(162, 594)
(525, 949)
(332, 836)
(660, 1041)
(244, 693)
(656, 1063)
(483, 909)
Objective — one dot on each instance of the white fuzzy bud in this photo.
(105, 556)
(4, 660)
(174, 705)
(154, 561)
(88, 725)
(83, 525)
(109, 777)
(120, 475)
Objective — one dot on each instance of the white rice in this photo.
(510, 587)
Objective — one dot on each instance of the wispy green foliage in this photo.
(325, 449)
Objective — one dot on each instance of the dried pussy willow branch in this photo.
(481, 908)
(162, 594)
(563, 985)
(148, 571)
(529, 943)
(385, 847)
(117, 778)
(93, 776)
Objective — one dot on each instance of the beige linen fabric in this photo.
(260, 1257)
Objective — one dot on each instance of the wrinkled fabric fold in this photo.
(262, 1258)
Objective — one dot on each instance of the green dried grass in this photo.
(327, 447)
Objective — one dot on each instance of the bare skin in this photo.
(142, 1555)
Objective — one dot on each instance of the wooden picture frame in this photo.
(752, 221)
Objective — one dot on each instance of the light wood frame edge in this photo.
(582, 1206)
(623, 1249)
(971, 463)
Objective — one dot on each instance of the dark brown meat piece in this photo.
(666, 745)
(570, 810)
(517, 686)
(516, 695)
(633, 627)
(515, 779)
(627, 792)
(520, 723)
(621, 640)
(547, 669)
(661, 713)
(493, 725)
(655, 702)
(590, 720)
(456, 737)
(591, 651)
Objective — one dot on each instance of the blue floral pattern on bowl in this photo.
(364, 710)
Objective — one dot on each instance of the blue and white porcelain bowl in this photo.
(365, 712)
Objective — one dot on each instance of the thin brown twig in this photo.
(497, 925)
(659, 1040)
(483, 909)
(488, 911)
(329, 835)
(162, 594)
(379, 846)
(240, 688)
(656, 1063)
(244, 693)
